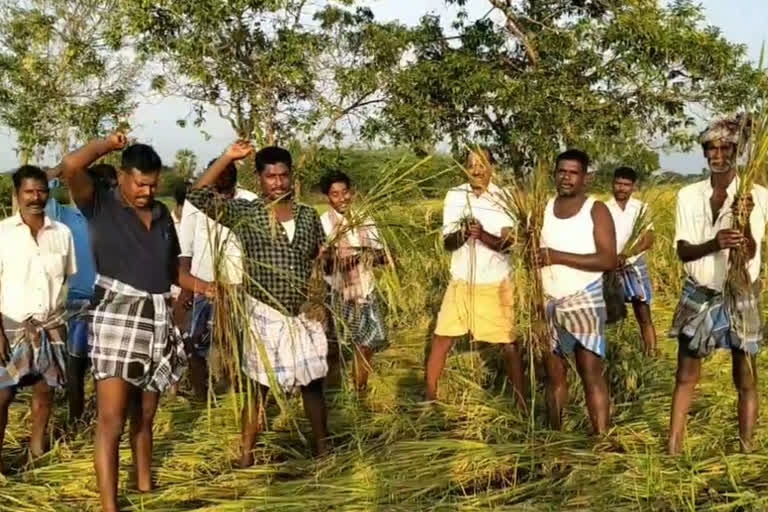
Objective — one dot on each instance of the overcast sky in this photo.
(155, 119)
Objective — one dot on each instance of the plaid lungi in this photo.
(282, 350)
(705, 321)
(38, 350)
(131, 336)
(578, 319)
(362, 322)
(636, 281)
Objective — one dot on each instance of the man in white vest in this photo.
(578, 244)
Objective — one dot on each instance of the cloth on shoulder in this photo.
(38, 350)
(132, 337)
(578, 319)
(707, 319)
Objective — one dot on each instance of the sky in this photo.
(155, 119)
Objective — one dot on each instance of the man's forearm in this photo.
(187, 281)
(595, 262)
(210, 176)
(80, 159)
(691, 252)
(495, 243)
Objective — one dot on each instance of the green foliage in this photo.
(62, 72)
(169, 180)
(185, 164)
(267, 67)
(531, 78)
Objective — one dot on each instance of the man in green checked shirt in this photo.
(280, 240)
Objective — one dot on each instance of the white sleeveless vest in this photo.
(574, 235)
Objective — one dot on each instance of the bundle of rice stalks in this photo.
(525, 200)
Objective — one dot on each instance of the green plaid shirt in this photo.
(276, 270)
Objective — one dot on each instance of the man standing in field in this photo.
(210, 252)
(136, 354)
(358, 314)
(626, 212)
(578, 244)
(37, 256)
(706, 318)
(478, 299)
(281, 241)
(80, 286)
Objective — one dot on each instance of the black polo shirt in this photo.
(124, 249)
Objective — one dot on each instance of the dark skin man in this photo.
(116, 398)
(721, 157)
(31, 198)
(571, 182)
(480, 171)
(623, 189)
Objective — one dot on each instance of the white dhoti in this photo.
(282, 350)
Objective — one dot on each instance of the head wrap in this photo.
(734, 130)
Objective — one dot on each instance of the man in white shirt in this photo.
(478, 299)
(358, 315)
(711, 314)
(37, 255)
(633, 269)
(212, 253)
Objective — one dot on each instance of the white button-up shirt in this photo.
(624, 220)
(33, 273)
(199, 236)
(474, 262)
(694, 225)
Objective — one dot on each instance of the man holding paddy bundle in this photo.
(719, 306)
(478, 300)
(632, 241)
(136, 353)
(358, 314)
(281, 240)
(210, 252)
(578, 245)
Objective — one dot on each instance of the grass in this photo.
(473, 451)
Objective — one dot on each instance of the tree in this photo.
(617, 78)
(63, 72)
(277, 70)
(185, 164)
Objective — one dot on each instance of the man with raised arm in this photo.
(135, 352)
(280, 240)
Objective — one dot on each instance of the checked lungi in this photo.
(283, 350)
(636, 281)
(705, 321)
(362, 322)
(578, 319)
(38, 350)
(131, 336)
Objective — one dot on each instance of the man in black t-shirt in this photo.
(135, 352)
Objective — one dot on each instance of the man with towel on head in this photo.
(578, 245)
(707, 318)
